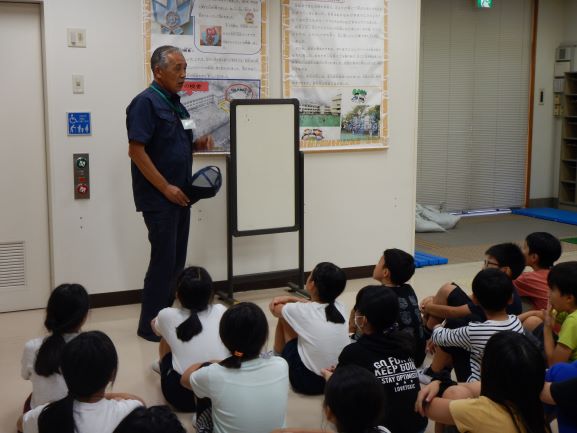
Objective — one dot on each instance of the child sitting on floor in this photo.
(89, 364)
(562, 280)
(388, 353)
(451, 302)
(189, 334)
(248, 393)
(512, 372)
(541, 251)
(394, 269)
(311, 334)
(492, 290)
(66, 312)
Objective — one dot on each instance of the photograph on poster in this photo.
(226, 56)
(338, 72)
(208, 103)
(172, 17)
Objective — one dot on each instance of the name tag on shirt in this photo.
(188, 124)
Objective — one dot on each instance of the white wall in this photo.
(356, 203)
(546, 143)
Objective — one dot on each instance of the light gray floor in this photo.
(136, 355)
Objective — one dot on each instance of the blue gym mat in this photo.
(424, 259)
(550, 214)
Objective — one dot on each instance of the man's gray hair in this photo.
(159, 57)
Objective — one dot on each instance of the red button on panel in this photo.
(82, 188)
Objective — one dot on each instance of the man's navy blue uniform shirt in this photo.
(152, 121)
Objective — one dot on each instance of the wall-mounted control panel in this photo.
(81, 176)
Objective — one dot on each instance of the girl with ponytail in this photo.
(65, 314)
(248, 393)
(89, 363)
(189, 334)
(311, 334)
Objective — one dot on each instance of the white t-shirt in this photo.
(203, 347)
(320, 342)
(44, 389)
(250, 399)
(100, 417)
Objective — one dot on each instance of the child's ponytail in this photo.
(330, 281)
(332, 314)
(48, 358)
(195, 293)
(243, 331)
(190, 327)
(234, 361)
(58, 416)
(66, 311)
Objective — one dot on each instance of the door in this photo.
(24, 240)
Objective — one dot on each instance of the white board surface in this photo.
(265, 165)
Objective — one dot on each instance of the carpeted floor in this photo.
(472, 236)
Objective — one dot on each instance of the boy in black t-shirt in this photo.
(394, 269)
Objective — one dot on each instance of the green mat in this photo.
(570, 240)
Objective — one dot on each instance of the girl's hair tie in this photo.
(238, 354)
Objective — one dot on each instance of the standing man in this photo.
(160, 146)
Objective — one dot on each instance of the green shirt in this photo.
(568, 334)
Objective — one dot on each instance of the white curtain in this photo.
(473, 104)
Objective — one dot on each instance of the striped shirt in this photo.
(473, 338)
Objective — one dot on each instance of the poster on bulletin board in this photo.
(337, 71)
(225, 46)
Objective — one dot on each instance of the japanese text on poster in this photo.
(224, 44)
(335, 64)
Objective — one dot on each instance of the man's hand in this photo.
(175, 195)
(204, 143)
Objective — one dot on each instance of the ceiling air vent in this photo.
(12, 264)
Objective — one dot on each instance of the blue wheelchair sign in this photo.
(79, 124)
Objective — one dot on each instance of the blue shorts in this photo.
(301, 378)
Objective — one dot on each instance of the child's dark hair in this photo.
(401, 265)
(243, 331)
(380, 305)
(563, 277)
(154, 419)
(194, 291)
(89, 363)
(546, 246)
(355, 398)
(508, 255)
(67, 308)
(493, 289)
(330, 281)
(513, 374)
